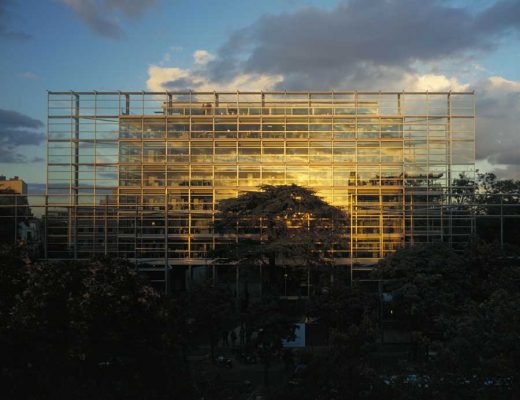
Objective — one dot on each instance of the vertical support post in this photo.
(261, 280)
(106, 225)
(76, 177)
(412, 231)
(190, 277)
(15, 218)
(46, 215)
(351, 239)
(442, 221)
(381, 224)
(381, 313)
(501, 221)
(166, 261)
(169, 108)
(450, 188)
(135, 232)
(237, 287)
(45, 227)
(308, 281)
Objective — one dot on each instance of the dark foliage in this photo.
(462, 311)
(279, 226)
(87, 331)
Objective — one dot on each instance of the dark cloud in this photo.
(506, 156)
(17, 130)
(101, 15)
(497, 124)
(182, 84)
(13, 118)
(378, 45)
(502, 16)
(511, 171)
(319, 48)
(131, 8)
(6, 22)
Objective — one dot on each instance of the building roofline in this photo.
(94, 92)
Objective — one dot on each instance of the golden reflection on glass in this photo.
(390, 160)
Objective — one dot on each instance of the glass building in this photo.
(139, 174)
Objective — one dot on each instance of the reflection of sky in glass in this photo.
(361, 161)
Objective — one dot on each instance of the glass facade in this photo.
(139, 175)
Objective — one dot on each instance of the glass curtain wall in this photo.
(139, 175)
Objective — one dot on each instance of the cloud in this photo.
(102, 16)
(323, 48)
(358, 45)
(29, 75)
(388, 45)
(172, 78)
(17, 130)
(6, 17)
(433, 83)
(497, 125)
(202, 57)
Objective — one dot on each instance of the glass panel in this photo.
(178, 128)
(154, 128)
(178, 152)
(130, 128)
(462, 152)
(130, 152)
(249, 176)
(154, 152)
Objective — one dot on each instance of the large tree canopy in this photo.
(280, 225)
(285, 226)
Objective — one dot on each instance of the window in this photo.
(248, 176)
(130, 152)
(153, 176)
(249, 152)
(273, 176)
(297, 152)
(154, 128)
(178, 175)
(344, 152)
(201, 176)
(178, 152)
(202, 152)
(154, 152)
(272, 152)
(225, 152)
(178, 128)
(225, 176)
(320, 152)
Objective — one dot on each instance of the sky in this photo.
(434, 45)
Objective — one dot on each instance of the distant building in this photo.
(17, 223)
(139, 175)
(15, 184)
